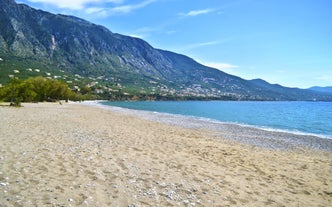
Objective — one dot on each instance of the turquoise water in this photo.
(298, 117)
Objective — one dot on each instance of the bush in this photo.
(34, 90)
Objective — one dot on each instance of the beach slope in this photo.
(79, 155)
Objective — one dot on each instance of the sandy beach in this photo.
(79, 155)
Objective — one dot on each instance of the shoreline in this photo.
(78, 155)
(256, 136)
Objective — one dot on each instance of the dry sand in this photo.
(78, 155)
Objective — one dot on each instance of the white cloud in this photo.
(117, 10)
(74, 4)
(136, 36)
(225, 67)
(220, 66)
(129, 8)
(200, 44)
(92, 10)
(325, 78)
(99, 6)
(197, 12)
(170, 32)
(147, 31)
(207, 43)
(281, 71)
(144, 32)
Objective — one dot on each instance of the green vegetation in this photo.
(34, 90)
(99, 64)
(40, 89)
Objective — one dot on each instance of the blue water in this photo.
(298, 117)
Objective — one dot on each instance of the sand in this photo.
(79, 155)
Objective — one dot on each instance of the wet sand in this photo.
(79, 155)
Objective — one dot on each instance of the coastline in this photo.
(252, 135)
(79, 155)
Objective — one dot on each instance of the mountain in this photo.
(327, 89)
(285, 93)
(65, 46)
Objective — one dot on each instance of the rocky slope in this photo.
(76, 46)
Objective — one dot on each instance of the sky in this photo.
(288, 42)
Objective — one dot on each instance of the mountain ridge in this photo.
(326, 89)
(76, 46)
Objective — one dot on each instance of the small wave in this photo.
(265, 128)
(197, 122)
(253, 135)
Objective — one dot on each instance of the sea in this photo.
(309, 118)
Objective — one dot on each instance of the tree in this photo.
(59, 90)
(41, 87)
(35, 89)
(29, 94)
(13, 92)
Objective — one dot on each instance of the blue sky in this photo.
(281, 41)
